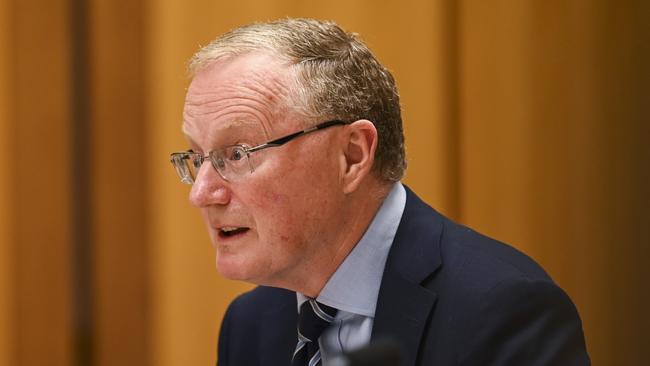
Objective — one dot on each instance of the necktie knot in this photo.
(314, 317)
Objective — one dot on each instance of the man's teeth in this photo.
(228, 231)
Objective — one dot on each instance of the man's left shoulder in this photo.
(476, 255)
(462, 253)
(486, 291)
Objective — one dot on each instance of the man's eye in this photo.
(236, 154)
(197, 162)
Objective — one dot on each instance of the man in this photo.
(296, 155)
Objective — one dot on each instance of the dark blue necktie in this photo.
(314, 317)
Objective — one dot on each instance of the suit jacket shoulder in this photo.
(452, 296)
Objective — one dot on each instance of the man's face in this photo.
(285, 212)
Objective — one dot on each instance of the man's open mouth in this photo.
(227, 232)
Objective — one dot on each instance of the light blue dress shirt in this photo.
(354, 287)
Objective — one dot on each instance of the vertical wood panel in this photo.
(118, 180)
(494, 110)
(42, 209)
(7, 309)
(622, 158)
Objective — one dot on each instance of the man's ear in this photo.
(359, 146)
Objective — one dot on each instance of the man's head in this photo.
(287, 216)
(335, 76)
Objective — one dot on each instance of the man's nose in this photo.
(209, 188)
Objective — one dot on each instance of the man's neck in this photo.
(361, 207)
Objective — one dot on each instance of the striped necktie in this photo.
(314, 317)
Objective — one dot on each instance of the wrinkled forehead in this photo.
(263, 74)
(239, 92)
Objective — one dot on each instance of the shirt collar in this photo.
(354, 286)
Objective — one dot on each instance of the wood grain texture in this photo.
(7, 269)
(118, 181)
(41, 207)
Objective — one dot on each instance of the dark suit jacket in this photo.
(449, 296)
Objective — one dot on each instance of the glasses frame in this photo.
(179, 159)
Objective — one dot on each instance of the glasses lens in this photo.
(231, 161)
(186, 166)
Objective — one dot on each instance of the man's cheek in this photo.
(263, 195)
(211, 230)
(277, 199)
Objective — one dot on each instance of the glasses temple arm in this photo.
(283, 140)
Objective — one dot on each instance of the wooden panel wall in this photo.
(36, 175)
(6, 222)
(118, 144)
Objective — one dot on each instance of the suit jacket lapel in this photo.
(403, 305)
(279, 339)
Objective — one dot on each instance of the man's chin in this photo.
(233, 270)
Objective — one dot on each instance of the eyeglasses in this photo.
(232, 162)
